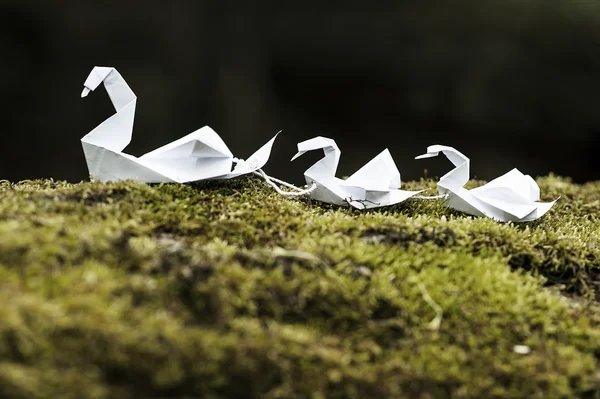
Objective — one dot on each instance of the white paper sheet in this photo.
(198, 156)
(510, 197)
(375, 184)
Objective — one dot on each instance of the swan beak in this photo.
(85, 92)
(297, 155)
(428, 155)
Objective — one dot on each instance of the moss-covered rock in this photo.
(227, 290)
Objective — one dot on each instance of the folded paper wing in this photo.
(198, 156)
(510, 197)
(374, 185)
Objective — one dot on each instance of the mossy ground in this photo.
(227, 290)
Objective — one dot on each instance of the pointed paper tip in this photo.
(428, 155)
(85, 92)
(297, 155)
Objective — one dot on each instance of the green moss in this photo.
(225, 289)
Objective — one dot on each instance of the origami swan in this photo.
(199, 155)
(375, 184)
(510, 197)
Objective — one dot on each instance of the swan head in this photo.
(317, 143)
(96, 76)
(434, 151)
(456, 157)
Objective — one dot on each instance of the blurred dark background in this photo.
(509, 83)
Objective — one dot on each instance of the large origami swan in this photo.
(199, 155)
(375, 184)
(510, 197)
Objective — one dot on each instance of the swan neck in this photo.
(457, 177)
(114, 133)
(329, 163)
(118, 90)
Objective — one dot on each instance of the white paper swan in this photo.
(510, 197)
(199, 155)
(375, 184)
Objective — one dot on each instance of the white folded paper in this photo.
(375, 184)
(510, 197)
(198, 156)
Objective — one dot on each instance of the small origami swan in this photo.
(375, 184)
(198, 156)
(510, 197)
